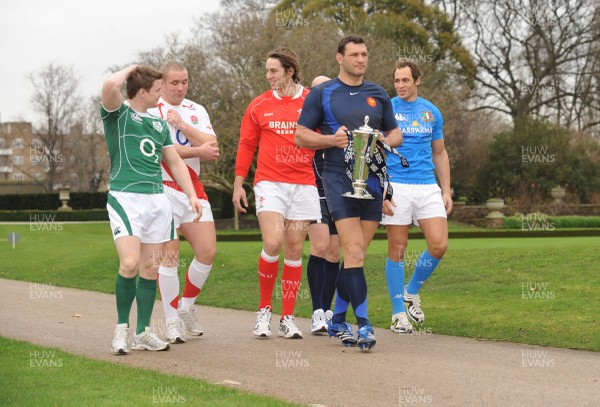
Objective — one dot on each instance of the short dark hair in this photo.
(355, 39)
(414, 68)
(288, 59)
(143, 77)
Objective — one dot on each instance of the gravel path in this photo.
(418, 369)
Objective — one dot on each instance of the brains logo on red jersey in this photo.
(371, 102)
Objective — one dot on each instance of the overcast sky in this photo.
(89, 35)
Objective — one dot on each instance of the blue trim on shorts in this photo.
(341, 207)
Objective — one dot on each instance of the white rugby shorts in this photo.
(182, 211)
(293, 201)
(147, 216)
(414, 202)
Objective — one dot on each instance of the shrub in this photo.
(54, 216)
(528, 161)
(78, 200)
(222, 206)
(540, 220)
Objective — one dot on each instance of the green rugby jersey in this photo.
(134, 142)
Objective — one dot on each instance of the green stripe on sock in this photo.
(112, 201)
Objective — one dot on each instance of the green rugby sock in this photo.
(125, 293)
(144, 296)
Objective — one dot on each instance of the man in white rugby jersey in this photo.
(194, 140)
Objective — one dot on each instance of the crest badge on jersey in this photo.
(261, 201)
(158, 126)
(427, 117)
(371, 102)
(194, 119)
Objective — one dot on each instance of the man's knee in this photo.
(272, 246)
(319, 248)
(169, 258)
(437, 249)
(353, 253)
(396, 251)
(128, 266)
(207, 255)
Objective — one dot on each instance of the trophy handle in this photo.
(372, 145)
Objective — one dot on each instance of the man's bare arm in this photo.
(111, 89)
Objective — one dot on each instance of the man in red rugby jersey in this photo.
(284, 186)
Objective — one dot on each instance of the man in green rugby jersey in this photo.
(140, 214)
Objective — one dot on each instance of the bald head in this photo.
(319, 80)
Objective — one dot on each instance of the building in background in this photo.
(81, 164)
(18, 173)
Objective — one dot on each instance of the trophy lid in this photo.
(365, 128)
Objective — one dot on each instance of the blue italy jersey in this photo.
(421, 123)
(333, 104)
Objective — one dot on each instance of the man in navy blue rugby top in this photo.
(417, 196)
(324, 261)
(334, 107)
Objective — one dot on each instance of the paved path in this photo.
(419, 369)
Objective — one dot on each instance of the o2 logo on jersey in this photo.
(181, 138)
(148, 148)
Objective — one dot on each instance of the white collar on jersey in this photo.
(143, 114)
(296, 96)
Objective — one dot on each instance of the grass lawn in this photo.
(36, 376)
(543, 291)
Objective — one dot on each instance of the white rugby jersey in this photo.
(193, 114)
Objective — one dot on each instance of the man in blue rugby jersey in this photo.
(324, 261)
(334, 107)
(417, 195)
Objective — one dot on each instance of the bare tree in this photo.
(57, 102)
(239, 39)
(226, 56)
(87, 162)
(535, 57)
(225, 60)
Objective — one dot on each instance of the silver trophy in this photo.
(360, 141)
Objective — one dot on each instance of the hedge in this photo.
(220, 201)
(539, 220)
(36, 216)
(78, 200)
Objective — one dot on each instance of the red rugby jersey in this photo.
(269, 124)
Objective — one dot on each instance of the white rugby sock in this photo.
(168, 283)
(195, 279)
